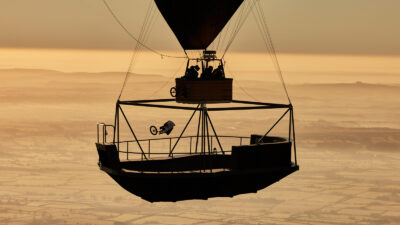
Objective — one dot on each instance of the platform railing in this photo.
(127, 147)
(102, 132)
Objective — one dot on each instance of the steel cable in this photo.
(133, 37)
(262, 24)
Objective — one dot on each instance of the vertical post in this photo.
(149, 148)
(169, 144)
(240, 140)
(211, 143)
(294, 140)
(202, 136)
(104, 133)
(204, 133)
(290, 124)
(190, 144)
(290, 132)
(215, 133)
(127, 150)
(198, 129)
(201, 132)
(208, 139)
(98, 138)
(117, 124)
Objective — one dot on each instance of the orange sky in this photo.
(307, 26)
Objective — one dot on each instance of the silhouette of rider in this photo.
(192, 73)
(206, 75)
(167, 127)
(218, 73)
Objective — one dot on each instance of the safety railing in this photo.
(130, 147)
(102, 129)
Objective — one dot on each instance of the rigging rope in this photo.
(260, 19)
(235, 27)
(241, 88)
(224, 33)
(170, 78)
(242, 18)
(262, 25)
(133, 37)
(144, 31)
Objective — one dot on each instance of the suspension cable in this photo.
(242, 18)
(144, 31)
(234, 28)
(133, 37)
(170, 78)
(262, 25)
(237, 83)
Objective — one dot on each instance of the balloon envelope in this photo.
(196, 23)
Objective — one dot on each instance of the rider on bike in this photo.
(167, 127)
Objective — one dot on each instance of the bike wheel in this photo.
(153, 130)
(172, 92)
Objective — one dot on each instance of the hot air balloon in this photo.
(206, 169)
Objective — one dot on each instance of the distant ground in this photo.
(348, 148)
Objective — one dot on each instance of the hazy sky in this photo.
(297, 26)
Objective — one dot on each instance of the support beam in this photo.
(115, 123)
(148, 100)
(215, 133)
(255, 105)
(203, 144)
(208, 135)
(260, 103)
(157, 106)
(134, 135)
(273, 125)
(183, 131)
(294, 140)
(246, 108)
(290, 124)
(198, 130)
